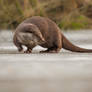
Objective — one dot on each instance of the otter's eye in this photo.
(27, 31)
(31, 32)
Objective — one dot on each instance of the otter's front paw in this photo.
(28, 51)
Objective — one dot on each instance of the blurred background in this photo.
(68, 14)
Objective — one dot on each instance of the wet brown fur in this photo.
(48, 36)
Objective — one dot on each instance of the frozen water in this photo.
(63, 72)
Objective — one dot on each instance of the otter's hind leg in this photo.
(57, 45)
(51, 50)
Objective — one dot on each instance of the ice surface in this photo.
(63, 72)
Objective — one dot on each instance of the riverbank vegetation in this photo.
(68, 14)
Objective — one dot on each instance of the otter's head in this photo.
(30, 34)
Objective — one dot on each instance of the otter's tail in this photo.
(69, 46)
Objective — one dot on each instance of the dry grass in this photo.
(12, 12)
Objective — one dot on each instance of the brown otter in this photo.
(44, 32)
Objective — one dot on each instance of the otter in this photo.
(44, 32)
